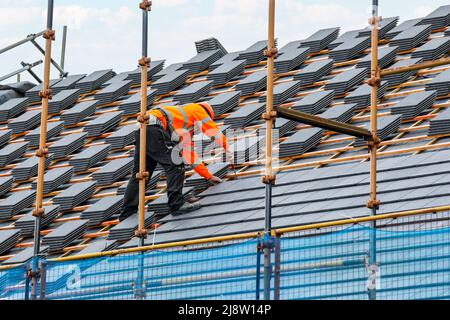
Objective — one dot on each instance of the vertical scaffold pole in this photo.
(42, 152)
(63, 51)
(269, 178)
(142, 176)
(374, 202)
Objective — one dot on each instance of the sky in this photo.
(107, 34)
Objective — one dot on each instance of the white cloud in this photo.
(169, 3)
(17, 15)
(422, 11)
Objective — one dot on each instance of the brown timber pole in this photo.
(42, 152)
(374, 202)
(269, 178)
(143, 174)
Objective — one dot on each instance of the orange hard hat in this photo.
(208, 109)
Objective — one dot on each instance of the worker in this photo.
(169, 143)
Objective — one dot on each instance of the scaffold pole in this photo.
(374, 143)
(42, 152)
(269, 178)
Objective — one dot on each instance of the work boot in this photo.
(187, 207)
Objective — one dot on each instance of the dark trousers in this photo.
(158, 150)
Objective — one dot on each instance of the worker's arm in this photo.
(193, 159)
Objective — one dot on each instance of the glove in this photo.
(215, 180)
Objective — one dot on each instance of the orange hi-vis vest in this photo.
(183, 120)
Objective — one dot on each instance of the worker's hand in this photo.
(215, 180)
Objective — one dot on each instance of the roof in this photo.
(325, 175)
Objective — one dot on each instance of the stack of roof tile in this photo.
(252, 83)
(168, 70)
(218, 169)
(341, 113)
(94, 81)
(113, 171)
(224, 102)
(439, 18)
(33, 93)
(346, 80)
(26, 223)
(54, 178)
(79, 112)
(53, 129)
(349, 49)
(433, 49)
(170, 81)
(193, 92)
(290, 60)
(132, 104)
(67, 83)
(75, 195)
(224, 60)
(64, 235)
(113, 92)
(226, 72)
(245, 115)
(402, 27)
(386, 55)
(151, 183)
(283, 91)
(314, 71)
(385, 25)
(414, 104)
(386, 126)
(281, 128)
(290, 46)
(125, 230)
(247, 149)
(314, 102)
(16, 202)
(28, 120)
(67, 145)
(63, 100)
(11, 152)
(29, 168)
(102, 210)
(441, 83)
(202, 61)
(122, 137)
(344, 37)
(5, 135)
(26, 255)
(210, 44)
(361, 95)
(411, 37)
(118, 78)
(89, 157)
(12, 108)
(320, 39)
(440, 124)
(254, 53)
(395, 79)
(135, 75)
(8, 239)
(300, 142)
(6, 184)
(103, 123)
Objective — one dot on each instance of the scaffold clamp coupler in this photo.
(38, 212)
(46, 93)
(374, 81)
(373, 20)
(143, 118)
(267, 242)
(271, 52)
(42, 152)
(374, 142)
(144, 61)
(142, 175)
(145, 5)
(373, 204)
(33, 274)
(141, 233)
(269, 116)
(269, 179)
(49, 34)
